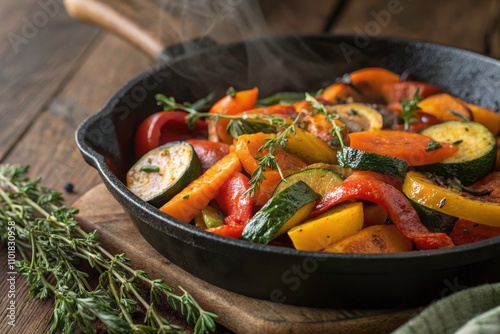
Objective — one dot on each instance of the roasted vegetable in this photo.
(331, 226)
(476, 150)
(282, 212)
(453, 202)
(163, 172)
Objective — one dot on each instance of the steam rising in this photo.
(286, 64)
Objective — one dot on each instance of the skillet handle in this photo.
(141, 22)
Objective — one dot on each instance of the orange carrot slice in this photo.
(196, 196)
(408, 146)
(444, 107)
(371, 81)
(243, 100)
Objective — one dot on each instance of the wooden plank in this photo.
(58, 159)
(33, 70)
(99, 210)
(459, 23)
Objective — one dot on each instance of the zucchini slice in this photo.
(161, 173)
(482, 210)
(434, 220)
(362, 160)
(358, 116)
(283, 211)
(476, 151)
(320, 180)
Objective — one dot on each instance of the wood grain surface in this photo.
(100, 211)
(52, 79)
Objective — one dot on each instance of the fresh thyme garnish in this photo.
(458, 114)
(269, 159)
(52, 244)
(432, 146)
(456, 184)
(336, 130)
(409, 108)
(231, 91)
(169, 103)
(457, 142)
(238, 127)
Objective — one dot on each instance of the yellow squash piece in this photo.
(310, 148)
(452, 202)
(333, 225)
(373, 240)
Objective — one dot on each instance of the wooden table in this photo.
(56, 71)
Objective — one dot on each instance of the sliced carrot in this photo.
(228, 105)
(396, 91)
(487, 117)
(196, 196)
(444, 107)
(371, 81)
(247, 148)
(408, 146)
(341, 93)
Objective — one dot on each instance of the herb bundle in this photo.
(52, 246)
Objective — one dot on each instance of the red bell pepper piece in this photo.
(466, 232)
(399, 209)
(237, 206)
(208, 151)
(163, 127)
(228, 231)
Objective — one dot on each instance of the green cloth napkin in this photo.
(475, 310)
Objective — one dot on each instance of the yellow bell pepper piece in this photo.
(333, 225)
(450, 201)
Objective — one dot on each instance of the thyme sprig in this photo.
(268, 160)
(52, 245)
(319, 107)
(169, 103)
(409, 108)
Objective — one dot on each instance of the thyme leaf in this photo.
(409, 108)
(432, 146)
(269, 159)
(231, 91)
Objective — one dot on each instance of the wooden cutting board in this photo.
(99, 211)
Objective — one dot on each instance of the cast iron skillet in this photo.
(281, 274)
